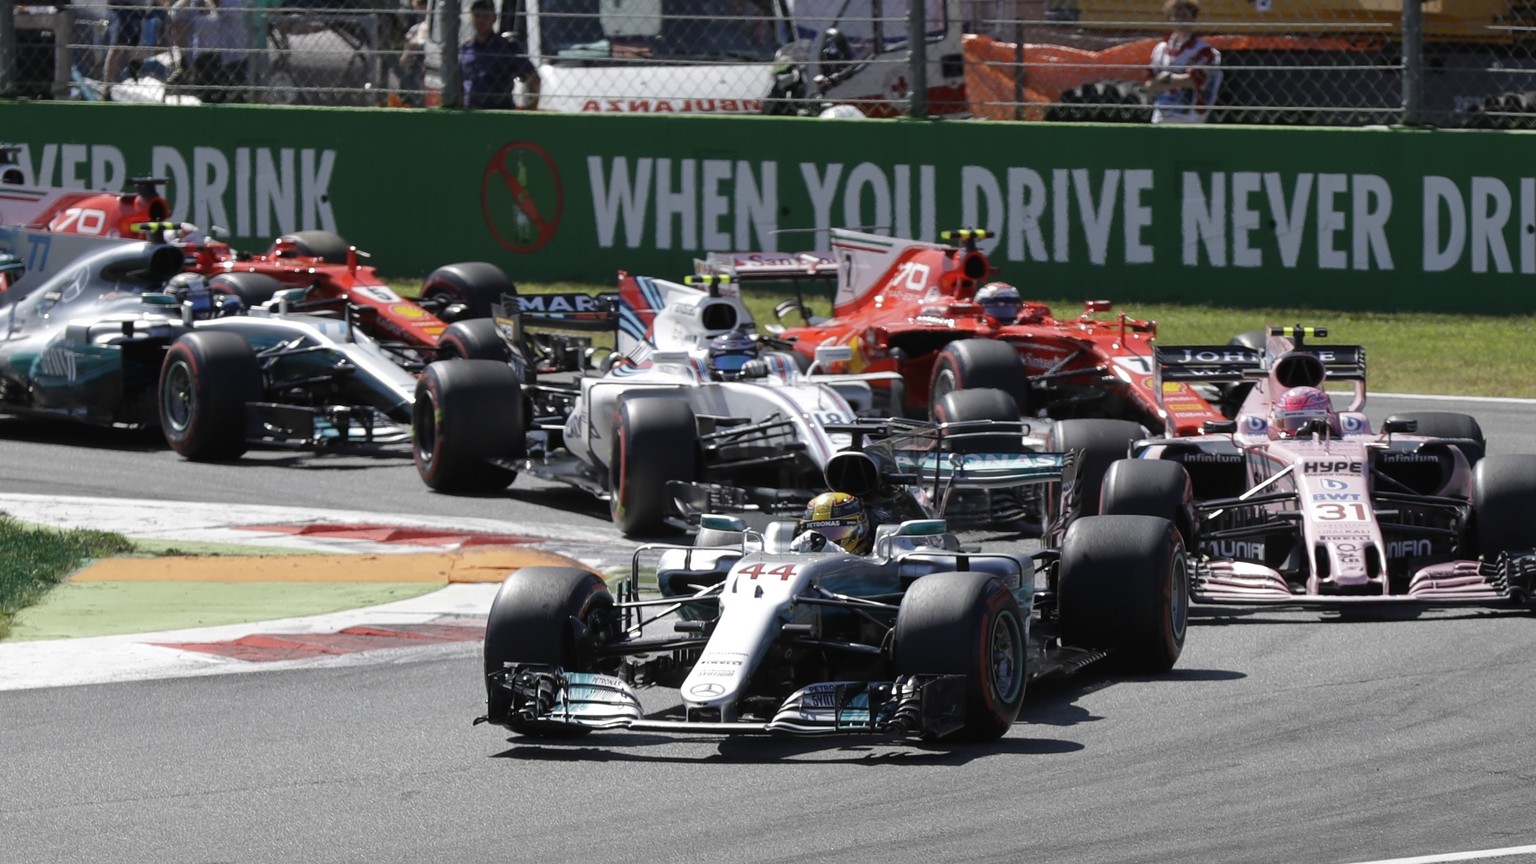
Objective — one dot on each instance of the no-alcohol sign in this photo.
(521, 197)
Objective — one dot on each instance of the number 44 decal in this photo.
(783, 571)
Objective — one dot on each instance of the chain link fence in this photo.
(1459, 63)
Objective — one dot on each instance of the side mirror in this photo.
(1396, 425)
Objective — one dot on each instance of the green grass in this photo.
(33, 560)
(1453, 355)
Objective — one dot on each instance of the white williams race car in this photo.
(688, 410)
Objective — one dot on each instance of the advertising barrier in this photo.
(1335, 218)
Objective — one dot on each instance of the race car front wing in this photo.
(920, 706)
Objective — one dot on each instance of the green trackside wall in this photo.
(1362, 219)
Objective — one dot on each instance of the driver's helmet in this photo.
(1000, 300)
(729, 354)
(1299, 406)
(192, 288)
(840, 518)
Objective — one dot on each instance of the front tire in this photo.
(206, 381)
(965, 406)
(966, 364)
(474, 339)
(1503, 501)
(656, 441)
(547, 616)
(967, 624)
(467, 412)
(1123, 586)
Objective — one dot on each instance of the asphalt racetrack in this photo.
(1280, 737)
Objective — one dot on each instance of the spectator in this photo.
(215, 47)
(490, 63)
(1186, 71)
(126, 33)
(413, 56)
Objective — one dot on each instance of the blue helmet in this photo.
(729, 354)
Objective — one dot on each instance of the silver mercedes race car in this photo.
(782, 631)
(122, 337)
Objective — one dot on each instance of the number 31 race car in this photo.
(1295, 503)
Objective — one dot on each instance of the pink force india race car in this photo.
(1295, 503)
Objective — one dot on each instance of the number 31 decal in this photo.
(1342, 513)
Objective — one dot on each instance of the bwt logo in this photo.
(1336, 496)
(1341, 467)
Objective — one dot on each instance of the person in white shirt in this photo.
(1185, 75)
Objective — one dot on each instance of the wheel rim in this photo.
(1178, 599)
(425, 429)
(178, 399)
(943, 383)
(1005, 664)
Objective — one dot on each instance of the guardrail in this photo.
(1471, 63)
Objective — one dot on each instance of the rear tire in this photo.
(663, 431)
(967, 624)
(548, 616)
(1150, 487)
(968, 364)
(1124, 587)
(1102, 442)
(206, 381)
(466, 413)
(1503, 501)
(252, 289)
(328, 246)
(1233, 395)
(1448, 424)
(472, 286)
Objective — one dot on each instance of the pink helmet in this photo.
(1300, 406)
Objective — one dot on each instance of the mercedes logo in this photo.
(706, 690)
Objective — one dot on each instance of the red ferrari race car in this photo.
(932, 312)
(320, 263)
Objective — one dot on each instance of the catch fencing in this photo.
(1452, 63)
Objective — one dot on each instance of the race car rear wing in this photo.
(1225, 364)
(767, 266)
(1220, 364)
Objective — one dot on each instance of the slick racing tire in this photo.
(550, 616)
(966, 364)
(1150, 487)
(252, 289)
(206, 381)
(967, 624)
(328, 246)
(655, 441)
(1231, 396)
(1124, 587)
(964, 406)
(1503, 501)
(1466, 431)
(467, 413)
(457, 292)
(474, 339)
(1101, 441)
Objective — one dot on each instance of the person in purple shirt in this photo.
(491, 63)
